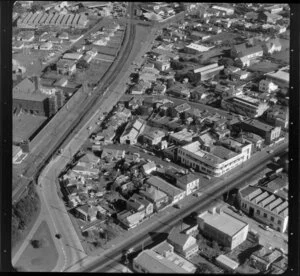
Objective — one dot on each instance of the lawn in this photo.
(42, 259)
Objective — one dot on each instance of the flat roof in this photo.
(183, 135)
(223, 222)
(25, 125)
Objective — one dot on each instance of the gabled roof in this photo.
(175, 237)
(249, 51)
(187, 178)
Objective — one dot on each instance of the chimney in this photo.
(36, 81)
(219, 210)
(212, 210)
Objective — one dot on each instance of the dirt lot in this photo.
(264, 67)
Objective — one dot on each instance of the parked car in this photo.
(167, 159)
(192, 170)
(178, 206)
(265, 227)
(207, 177)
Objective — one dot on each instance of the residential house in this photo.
(162, 65)
(139, 203)
(154, 137)
(130, 219)
(278, 116)
(267, 86)
(86, 171)
(66, 67)
(188, 182)
(246, 56)
(174, 194)
(112, 154)
(149, 167)
(184, 244)
(269, 17)
(271, 46)
(72, 56)
(132, 131)
(86, 212)
(225, 229)
(224, 10)
(182, 137)
(157, 197)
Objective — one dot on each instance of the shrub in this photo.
(36, 243)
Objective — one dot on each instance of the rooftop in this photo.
(183, 135)
(166, 187)
(280, 75)
(223, 222)
(257, 124)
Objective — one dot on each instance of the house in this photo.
(268, 207)
(46, 46)
(159, 89)
(130, 219)
(269, 17)
(188, 182)
(199, 36)
(184, 244)
(87, 171)
(266, 86)
(64, 35)
(139, 203)
(86, 212)
(227, 10)
(278, 116)
(113, 154)
(132, 131)
(18, 45)
(72, 56)
(179, 91)
(89, 160)
(227, 263)
(174, 194)
(149, 167)
(240, 75)
(225, 229)
(157, 197)
(182, 137)
(280, 78)
(154, 137)
(247, 55)
(264, 258)
(194, 48)
(271, 46)
(162, 65)
(66, 67)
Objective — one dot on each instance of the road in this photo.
(212, 193)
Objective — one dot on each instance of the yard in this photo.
(43, 258)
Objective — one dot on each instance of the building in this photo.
(157, 197)
(113, 154)
(214, 160)
(188, 182)
(194, 48)
(132, 132)
(269, 133)
(86, 212)
(245, 57)
(271, 18)
(162, 65)
(66, 67)
(182, 137)
(139, 203)
(199, 36)
(130, 219)
(272, 46)
(227, 10)
(174, 194)
(264, 258)
(227, 263)
(278, 116)
(149, 167)
(72, 56)
(267, 86)
(245, 105)
(209, 71)
(223, 228)
(183, 244)
(280, 78)
(148, 261)
(265, 206)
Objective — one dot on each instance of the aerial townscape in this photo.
(150, 137)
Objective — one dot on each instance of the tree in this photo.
(176, 65)
(36, 243)
(226, 62)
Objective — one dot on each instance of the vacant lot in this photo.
(43, 258)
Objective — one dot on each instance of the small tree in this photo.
(36, 243)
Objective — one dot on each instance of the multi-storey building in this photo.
(245, 105)
(214, 160)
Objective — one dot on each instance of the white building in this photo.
(229, 11)
(214, 160)
(223, 228)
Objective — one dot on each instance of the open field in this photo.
(39, 259)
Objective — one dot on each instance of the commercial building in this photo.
(245, 105)
(278, 116)
(227, 263)
(194, 48)
(154, 137)
(268, 132)
(265, 206)
(214, 160)
(228, 11)
(174, 194)
(223, 228)
(209, 71)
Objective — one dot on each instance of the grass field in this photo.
(42, 259)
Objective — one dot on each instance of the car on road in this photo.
(265, 227)
(160, 166)
(152, 153)
(58, 236)
(270, 151)
(144, 150)
(178, 206)
(207, 177)
(167, 159)
(192, 170)
(197, 194)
